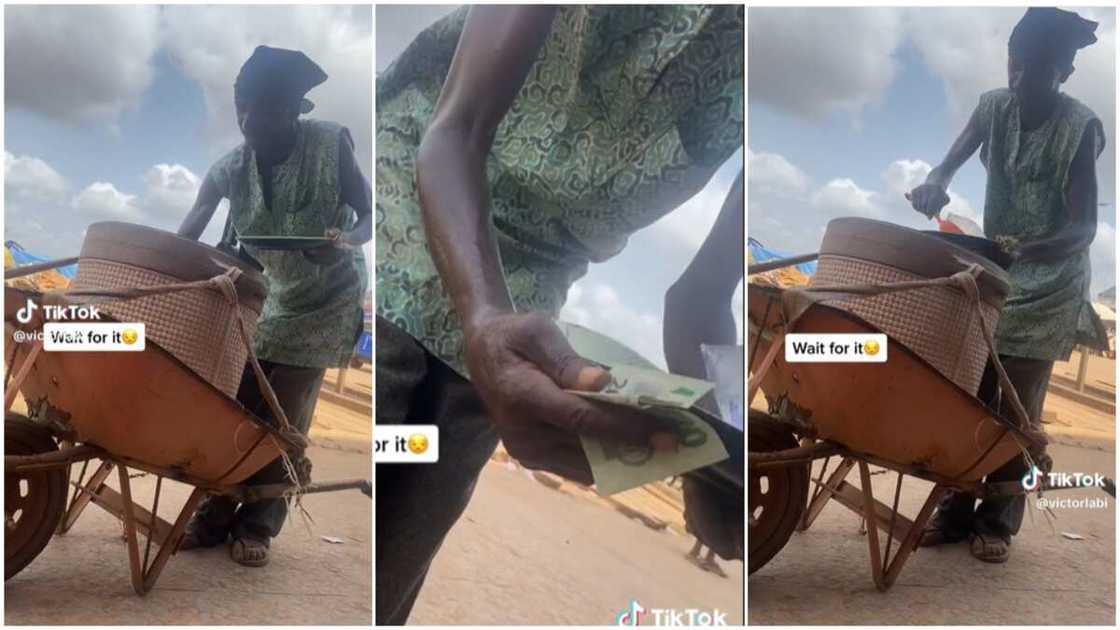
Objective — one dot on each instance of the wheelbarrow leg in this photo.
(83, 494)
(822, 494)
(144, 577)
(884, 569)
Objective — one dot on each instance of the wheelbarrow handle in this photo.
(27, 270)
(771, 265)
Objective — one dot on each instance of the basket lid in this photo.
(914, 251)
(170, 254)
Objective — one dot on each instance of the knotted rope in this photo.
(225, 284)
(796, 301)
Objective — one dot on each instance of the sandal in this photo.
(249, 552)
(988, 548)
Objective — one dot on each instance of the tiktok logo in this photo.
(24, 314)
(1032, 479)
(632, 615)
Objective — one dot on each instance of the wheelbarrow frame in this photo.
(860, 499)
(136, 519)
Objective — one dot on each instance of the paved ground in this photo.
(525, 554)
(823, 576)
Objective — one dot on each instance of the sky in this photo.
(115, 113)
(624, 296)
(848, 108)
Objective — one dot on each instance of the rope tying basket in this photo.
(206, 322)
(956, 338)
(941, 323)
(197, 326)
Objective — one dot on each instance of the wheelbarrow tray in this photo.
(149, 408)
(902, 411)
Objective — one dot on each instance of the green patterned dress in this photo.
(313, 314)
(1048, 311)
(627, 113)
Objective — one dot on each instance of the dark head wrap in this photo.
(279, 75)
(1049, 35)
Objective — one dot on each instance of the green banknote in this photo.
(638, 384)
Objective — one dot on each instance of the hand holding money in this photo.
(521, 364)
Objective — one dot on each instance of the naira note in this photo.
(637, 384)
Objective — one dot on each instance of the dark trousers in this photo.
(957, 513)
(417, 504)
(297, 390)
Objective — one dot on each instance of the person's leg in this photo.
(952, 522)
(211, 523)
(417, 504)
(217, 516)
(999, 518)
(297, 391)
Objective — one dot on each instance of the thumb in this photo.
(552, 353)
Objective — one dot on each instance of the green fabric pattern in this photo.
(627, 113)
(313, 314)
(1048, 311)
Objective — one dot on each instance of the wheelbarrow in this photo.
(902, 415)
(142, 410)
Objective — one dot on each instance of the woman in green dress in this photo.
(1039, 147)
(515, 146)
(291, 177)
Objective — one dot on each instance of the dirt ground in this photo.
(82, 578)
(526, 554)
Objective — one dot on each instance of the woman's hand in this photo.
(341, 242)
(520, 364)
(928, 199)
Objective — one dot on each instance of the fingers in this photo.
(542, 343)
(550, 449)
(593, 419)
(928, 199)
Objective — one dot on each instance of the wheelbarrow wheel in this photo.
(34, 500)
(776, 495)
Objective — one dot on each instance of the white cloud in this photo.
(210, 43)
(32, 179)
(170, 190)
(785, 219)
(601, 308)
(813, 61)
(843, 197)
(36, 195)
(771, 173)
(102, 199)
(78, 64)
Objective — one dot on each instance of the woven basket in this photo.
(198, 326)
(939, 324)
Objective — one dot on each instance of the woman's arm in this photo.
(698, 304)
(209, 195)
(519, 363)
(496, 50)
(356, 193)
(932, 196)
(1081, 201)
